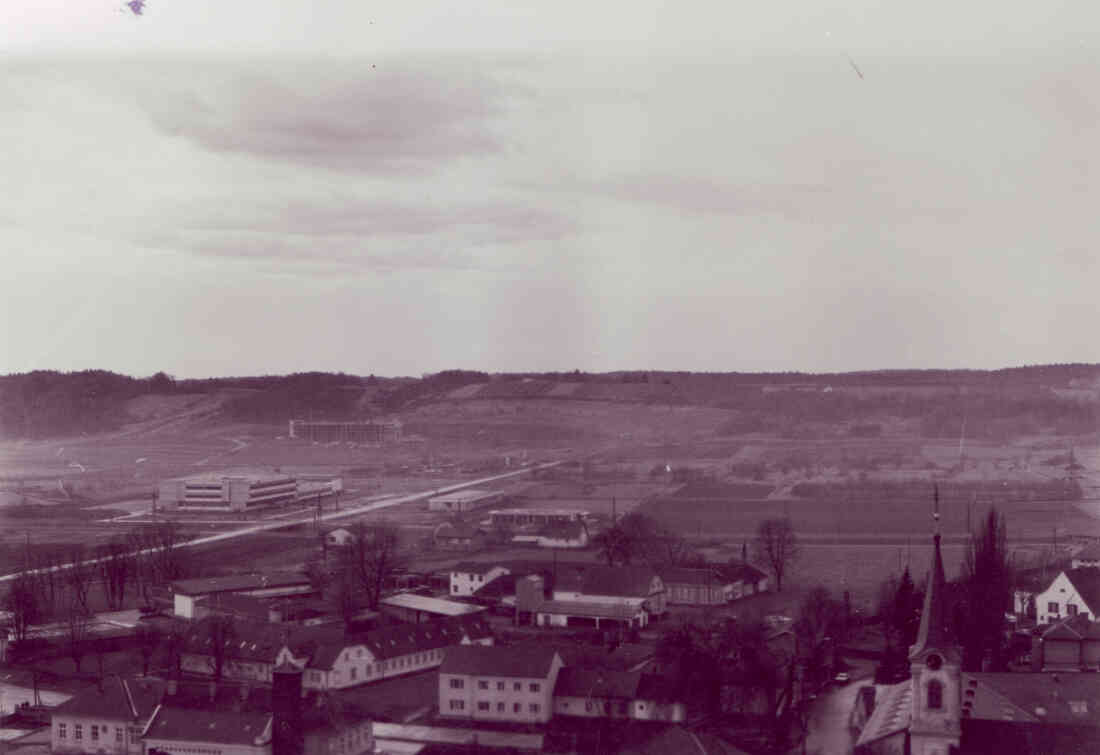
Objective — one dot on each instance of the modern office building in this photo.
(228, 491)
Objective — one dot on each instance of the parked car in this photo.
(842, 678)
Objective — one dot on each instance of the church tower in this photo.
(935, 663)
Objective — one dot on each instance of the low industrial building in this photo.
(414, 609)
(461, 500)
(534, 517)
(239, 490)
(189, 594)
(324, 431)
(601, 597)
(504, 684)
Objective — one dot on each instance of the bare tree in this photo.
(77, 630)
(79, 577)
(115, 565)
(373, 556)
(148, 639)
(820, 619)
(222, 632)
(22, 603)
(777, 546)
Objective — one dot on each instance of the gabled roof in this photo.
(1075, 628)
(256, 641)
(612, 581)
(892, 714)
(476, 567)
(203, 725)
(1089, 553)
(120, 699)
(678, 575)
(1071, 699)
(403, 639)
(1086, 581)
(488, 660)
(238, 583)
(591, 609)
(741, 571)
(597, 683)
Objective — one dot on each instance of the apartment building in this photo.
(106, 719)
(513, 684)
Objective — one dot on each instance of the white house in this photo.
(1072, 593)
(107, 720)
(513, 684)
(339, 537)
(468, 577)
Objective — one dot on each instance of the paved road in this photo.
(352, 509)
(828, 727)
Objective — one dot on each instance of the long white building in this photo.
(228, 491)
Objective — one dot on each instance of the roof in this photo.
(1086, 581)
(616, 581)
(237, 604)
(416, 602)
(1075, 628)
(253, 475)
(1050, 698)
(892, 713)
(590, 609)
(121, 698)
(457, 530)
(1089, 553)
(684, 576)
(238, 583)
(581, 682)
(490, 660)
(935, 630)
(201, 725)
(741, 571)
(570, 530)
(259, 641)
(403, 639)
(476, 567)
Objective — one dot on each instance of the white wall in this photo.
(1062, 593)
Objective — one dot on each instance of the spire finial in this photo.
(936, 509)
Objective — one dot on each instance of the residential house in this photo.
(696, 587)
(467, 577)
(252, 650)
(108, 719)
(459, 536)
(1072, 592)
(513, 684)
(1072, 644)
(613, 584)
(391, 651)
(604, 693)
(1087, 557)
(744, 579)
(202, 731)
(339, 537)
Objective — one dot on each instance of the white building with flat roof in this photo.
(461, 500)
(236, 490)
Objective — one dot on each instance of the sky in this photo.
(393, 188)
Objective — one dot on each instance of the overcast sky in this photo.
(267, 186)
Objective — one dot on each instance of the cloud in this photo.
(398, 118)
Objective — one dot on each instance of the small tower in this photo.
(935, 663)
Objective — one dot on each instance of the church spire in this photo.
(934, 630)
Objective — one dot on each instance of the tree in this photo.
(777, 546)
(904, 615)
(116, 566)
(77, 625)
(221, 632)
(372, 557)
(615, 546)
(79, 577)
(987, 586)
(148, 639)
(22, 603)
(821, 619)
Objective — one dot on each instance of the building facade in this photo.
(503, 684)
(227, 491)
(110, 719)
(1072, 593)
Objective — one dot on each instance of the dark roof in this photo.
(487, 660)
(1086, 581)
(120, 699)
(402, 639)
(569, 530)
(1075, 628)
(618, 581)
(501, 587)
(597, 683)
(590, 609)
(1089, 553)
(741, 571)
(238, 583)
(935, 629)
(201, 725)
(1071, 699)
(237, 604)
(256, 641)
(985, 736)
(683, 576)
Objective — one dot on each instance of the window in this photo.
(1071, 609)
(457, 704)
(935, 695)
(533, 707)
(483, 706)
(500, 686)
(1052, 607)
(482, 684)
(516, 707)
(518, 686)
(500, 707)
(118, 734)
(95, 732)
(61, 733)
(588, 706)
(534, 686)
(457, 684)
(353, 672)
(78, 731)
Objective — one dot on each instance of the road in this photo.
(352, 510)
(828, 726)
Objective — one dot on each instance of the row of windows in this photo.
(1071, 609)
(501, 707)
(484, 684)
(95, 731)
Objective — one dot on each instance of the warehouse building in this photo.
(534, 518)
(324, 431)
(461, 500)
(228, 491)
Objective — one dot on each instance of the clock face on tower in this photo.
(934, 662)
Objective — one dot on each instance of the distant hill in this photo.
(997, 403)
